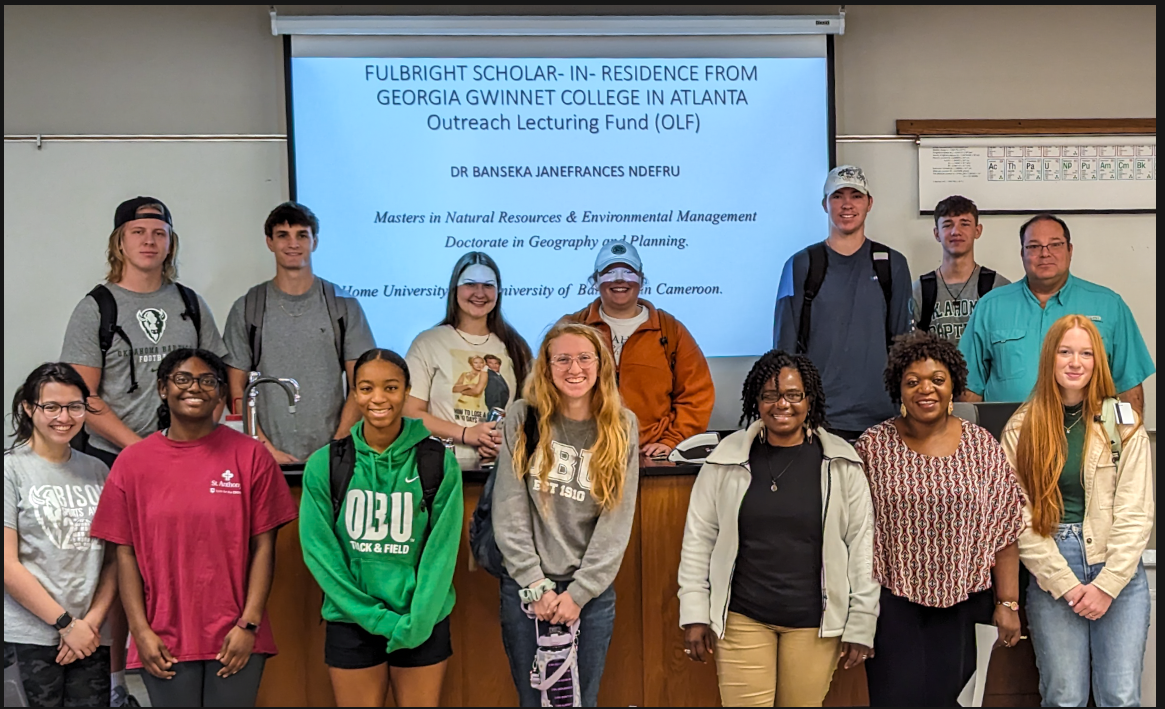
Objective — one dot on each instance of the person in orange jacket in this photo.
(664, 378)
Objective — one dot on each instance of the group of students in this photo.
(926, 517)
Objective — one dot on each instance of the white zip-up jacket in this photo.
(849, 593)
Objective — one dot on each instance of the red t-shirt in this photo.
(189, 510)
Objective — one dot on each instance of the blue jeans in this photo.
(1070, 649)
(597, 622)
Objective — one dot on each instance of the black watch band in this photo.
(64, 621)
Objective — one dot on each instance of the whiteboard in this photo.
(1017, 175)
(58, 213)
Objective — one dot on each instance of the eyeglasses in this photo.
(772, 397)
(1054, 247)
(182, 380)
(52, 409)
(586, 360)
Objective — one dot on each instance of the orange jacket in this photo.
(671, 404)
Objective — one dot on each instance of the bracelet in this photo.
(1013, 605)
(68, 628)
(463, 429)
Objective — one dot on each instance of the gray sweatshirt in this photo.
(561, 533)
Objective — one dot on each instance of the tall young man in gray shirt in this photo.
(155, 316)
(945, 298)
(861, 301)
(296, 335)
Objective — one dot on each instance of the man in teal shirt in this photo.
(1006, 331)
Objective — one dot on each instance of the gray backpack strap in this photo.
(337, 313)
(254, 306)
(1108, 420)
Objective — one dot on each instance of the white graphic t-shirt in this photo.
(50, 505)
(462, 376)
(621, 328)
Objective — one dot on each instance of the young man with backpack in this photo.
(117, 336)
(300, 326)
(841, 302)
(945, 297)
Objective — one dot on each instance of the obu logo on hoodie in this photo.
(368, 522)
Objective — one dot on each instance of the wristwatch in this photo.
(533, 593)
(253, 627)
(64, 621)
(1013, 605)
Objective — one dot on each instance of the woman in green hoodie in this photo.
(384, 560)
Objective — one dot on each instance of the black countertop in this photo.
(647, 468)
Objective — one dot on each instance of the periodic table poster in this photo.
(1016, 174)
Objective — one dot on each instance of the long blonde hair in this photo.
(608, 464)
(116, 258)
(1043, 445)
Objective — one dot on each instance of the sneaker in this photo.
(122, 698)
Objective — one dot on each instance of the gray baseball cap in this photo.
(618, 252)
(846, 176)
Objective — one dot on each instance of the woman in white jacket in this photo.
(776, 570)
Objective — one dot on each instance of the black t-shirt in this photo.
(778, 566)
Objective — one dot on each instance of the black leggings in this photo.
(196, 684)
(81, 683)
(923, 656)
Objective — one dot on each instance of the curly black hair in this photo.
(172, 361)
(769, 366)
(916, 347)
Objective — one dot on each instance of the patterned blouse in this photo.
(938, 521)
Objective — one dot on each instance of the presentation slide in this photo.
(711, 168)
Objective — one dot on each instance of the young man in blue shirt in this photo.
(840, 302)
(1005, 333)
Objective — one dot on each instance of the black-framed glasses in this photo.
(772, 397)
(206, 382)
(52, 409)
(1054, 247)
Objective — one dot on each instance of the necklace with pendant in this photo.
(769, 467)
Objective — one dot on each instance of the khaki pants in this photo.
(757, 663)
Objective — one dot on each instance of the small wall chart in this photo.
(1062, 174)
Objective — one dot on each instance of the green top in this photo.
(1071, 484)
(375, 565)
(1006, 332)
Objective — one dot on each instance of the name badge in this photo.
(1124, 413)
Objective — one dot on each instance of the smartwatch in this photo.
(64, 621)
(533, 593)
(253, 627)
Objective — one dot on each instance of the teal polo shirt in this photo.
(1006, 332)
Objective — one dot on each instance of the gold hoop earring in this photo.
(950, 407)
(902, 410)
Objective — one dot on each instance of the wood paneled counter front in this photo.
(646, 665)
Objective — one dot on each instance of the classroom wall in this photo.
(200, 70)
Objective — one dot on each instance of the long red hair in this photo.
(1043, 445)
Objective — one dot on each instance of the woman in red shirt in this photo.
(193, 510)
(948, 512)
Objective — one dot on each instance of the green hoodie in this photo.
(369, 562)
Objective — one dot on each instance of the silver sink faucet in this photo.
(251, 394)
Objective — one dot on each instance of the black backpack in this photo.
(255, 305)
(107, 307)
(929, 284)
(430, 468)
(818, 264)
(482, 543)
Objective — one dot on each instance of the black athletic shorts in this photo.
(347, 646)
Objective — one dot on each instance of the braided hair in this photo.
(172, 361)
(767, 368)
(918, 347)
